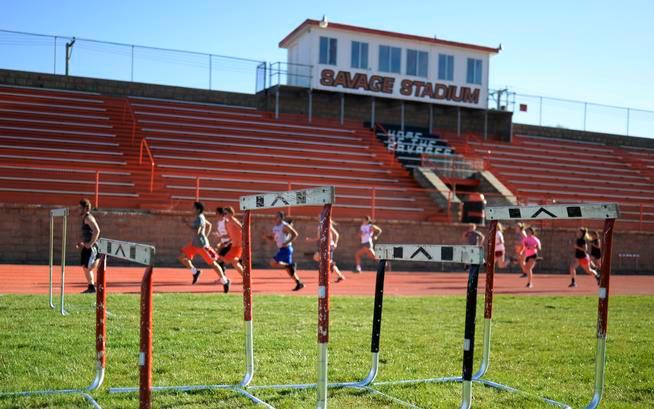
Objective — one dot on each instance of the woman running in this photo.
(595, 250)
(500, 250)
(332, 246)
(581, 257)
(531, 247)
(518, 248)
(368, 233)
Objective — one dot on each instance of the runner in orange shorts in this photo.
(235, 232)
(199, 246)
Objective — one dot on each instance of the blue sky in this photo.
(599, 51)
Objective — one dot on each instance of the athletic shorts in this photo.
(207, 253)
(234, 252)
(223, 251)
(88, 256)
(365, 245)
(499, 253)
(532, 257)
(584, 262)
(284, 255)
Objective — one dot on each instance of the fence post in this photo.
(628, 114)
(140, 152)
(373, 203)
(540, 112)
(54, 71)
(585, 110)
(97, 188)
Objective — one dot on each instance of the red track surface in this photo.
(21, 279)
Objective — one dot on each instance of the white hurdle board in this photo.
(63, 211)
(305, 197)
(430, 253)
(135, 252)
(550, 212)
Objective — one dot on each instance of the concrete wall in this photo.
(295, 100)
(24, 238)
(123, 88)
(605, 138)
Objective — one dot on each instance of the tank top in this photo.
(595, 249)
(280, 236)
(224, 235)
(366, 233)
(531, 245)
(199, 240)
(87, 230)
(499, 241)
(235, 233)
(579, 254)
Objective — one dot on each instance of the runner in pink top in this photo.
(531, 247)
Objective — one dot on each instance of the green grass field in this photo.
(544, 345)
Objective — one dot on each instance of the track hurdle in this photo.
(145, 255)
(306, 197)
(471, 255)
(608, 212)
(63, 213)
(100, 341)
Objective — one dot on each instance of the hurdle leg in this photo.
(100, 324)
(63, 261)
(469, 336)
(488, 301)
(323, 305)
(51, 262)
(602, 314)
(145, 355)
(247, 302)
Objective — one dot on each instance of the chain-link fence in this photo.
(125, 62)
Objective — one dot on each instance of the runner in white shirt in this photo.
(500, 249)
(369, 233)
(332, 246)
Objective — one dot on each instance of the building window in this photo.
(359, 55)
(445, 67)
(390, 59)
(328, 50)
(474, 71)
(416, 63)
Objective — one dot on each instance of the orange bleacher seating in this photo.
(541, 170)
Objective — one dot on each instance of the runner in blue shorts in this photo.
(283, 234)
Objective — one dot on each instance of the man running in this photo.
(224, 242)
(234, 230)
(283, 234)
(200, 246)
(368, 233)
(89, 253)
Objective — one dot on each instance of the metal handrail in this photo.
(144, 143)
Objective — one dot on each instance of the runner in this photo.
(224, 242)
(500, 249)
(595, 250)
(283, 234)
(369, 233)
(531, 247)
(332, 246)
(89, 253)
(581, 258)
(518, 258)
(472, 236)
(235, 232)
(200, 246)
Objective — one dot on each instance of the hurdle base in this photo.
(46, 392)
(507, 388)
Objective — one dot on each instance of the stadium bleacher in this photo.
(53, 143)
(541, 170)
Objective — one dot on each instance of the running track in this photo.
(22, 279)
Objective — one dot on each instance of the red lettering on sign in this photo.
(387, 85)
(405, 87)
(327, 78)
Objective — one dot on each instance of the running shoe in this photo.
(89, 290)
(299, 286)
(226, 286)
(196, 276)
